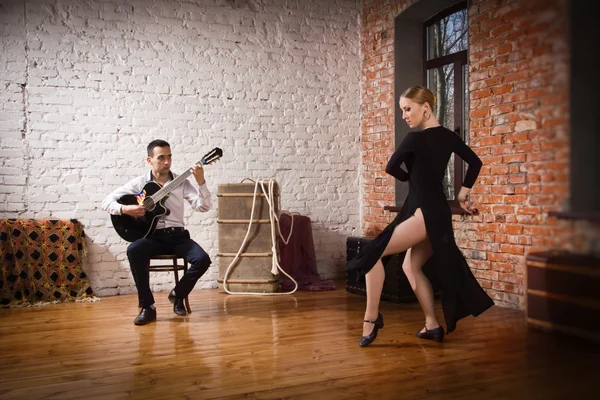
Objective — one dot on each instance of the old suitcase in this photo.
(562, 293)
(396, 287)
(252, 270)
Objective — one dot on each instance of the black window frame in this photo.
(409, 69)
(459, 60)
(584, 164)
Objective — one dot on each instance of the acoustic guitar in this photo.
(152, 197)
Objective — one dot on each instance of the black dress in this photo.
(426, 155)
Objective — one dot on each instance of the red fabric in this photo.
(298, 256)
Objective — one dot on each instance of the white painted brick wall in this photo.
(87, 84)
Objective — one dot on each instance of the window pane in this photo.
(441, 82)
(465, 112)
(465, 105)
(448, 35)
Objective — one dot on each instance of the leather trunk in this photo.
(562, 293)
(396, 287)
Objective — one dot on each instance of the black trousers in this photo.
(179, 243)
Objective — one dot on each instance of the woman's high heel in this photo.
(367, 340)
(436, 334)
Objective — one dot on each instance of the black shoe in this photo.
(436, 334)
(178, 307)
(367, 340)
(145, 316)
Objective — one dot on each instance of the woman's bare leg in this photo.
(374, 282)
(415, 258)
(405, 235)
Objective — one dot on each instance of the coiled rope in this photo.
(275, 267)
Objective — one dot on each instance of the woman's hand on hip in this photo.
(463, 200)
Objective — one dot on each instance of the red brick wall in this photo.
(519, 66)
(377, 82)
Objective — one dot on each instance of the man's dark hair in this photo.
(156, 143)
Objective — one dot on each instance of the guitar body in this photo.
(132, 228)
(152, 198)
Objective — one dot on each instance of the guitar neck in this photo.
(210, 157)
(165, 190)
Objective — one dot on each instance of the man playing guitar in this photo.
(168, 235)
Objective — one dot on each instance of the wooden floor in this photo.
(303, 346)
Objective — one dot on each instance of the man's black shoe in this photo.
(178, 307)
(146, 315)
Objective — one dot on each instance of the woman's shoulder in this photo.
(439, 132)
(440, 129)
(436, 130)
(443, 134)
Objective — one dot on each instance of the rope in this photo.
(275, 267)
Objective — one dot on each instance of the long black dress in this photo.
(426, 155)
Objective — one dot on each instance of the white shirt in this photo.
(199, 199)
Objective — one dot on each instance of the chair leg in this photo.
(176, 273)
(187, 301)
(187, 305)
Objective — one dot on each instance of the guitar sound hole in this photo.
(148, 204)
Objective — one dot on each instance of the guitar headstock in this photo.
(212, 156)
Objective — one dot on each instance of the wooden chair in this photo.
(175, 267)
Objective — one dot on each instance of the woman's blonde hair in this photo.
(420, 95)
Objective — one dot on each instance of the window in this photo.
(432, 51)
(446, 74)
(584, 163)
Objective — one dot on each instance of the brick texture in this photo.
(284, 88)
(519, 102)
(87, 84)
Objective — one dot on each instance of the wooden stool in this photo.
(175, 267)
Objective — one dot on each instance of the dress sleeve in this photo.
(459, 147)
(400, 155)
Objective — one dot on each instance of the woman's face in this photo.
(412, 112)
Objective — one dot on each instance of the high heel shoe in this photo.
(367, 340)
(436, 334)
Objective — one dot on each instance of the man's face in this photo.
(160, 160)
